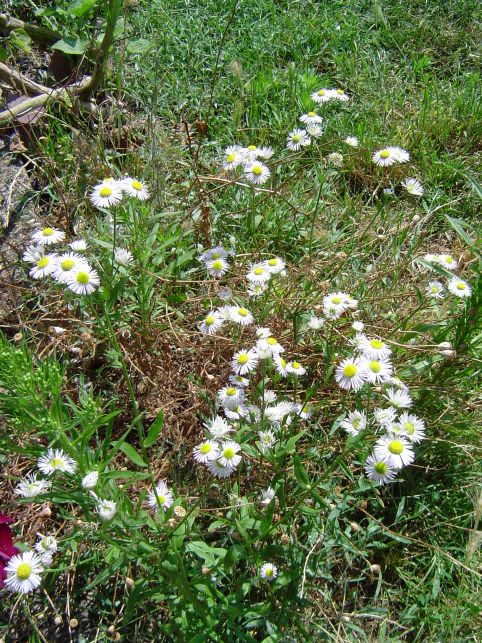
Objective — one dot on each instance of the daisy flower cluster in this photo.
(110, 191)
(455, 285)
(250, 160)
(67, 267)
(215, 260)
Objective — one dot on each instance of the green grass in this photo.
(395, 563)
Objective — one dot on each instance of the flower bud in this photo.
(355, 526)
(58, 620)
(416, 218)
(375, 569)
(73, 623)
(129, 582)
(179, 512)
(205, 571)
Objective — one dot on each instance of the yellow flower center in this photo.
(231, 157)
(296, 138)
(269, 572)
(381, 468)
(42, 263)
(105, 191)
(409, 428)
(257, 170)
(395, 447)
(136, 185)
(162, 499)
(376, 343)
(258, 271)
(434, 290)
(449, 259)
(231, 391)
(67, 264)
(384, 154)
(282, 362)
(350, 370)
(206, 448)
(340, 92)
(82, 278)
(215, 255)
(229, 453)
(210, 319)
(356, 424)
(217, 265)
(272, 341)
(55, 463)
(243, 358)
(336, 300)
(47, 232)
(461, 286)
(311, 114)
(243, 312)
(321, 92)
(252, 148)
(296, 365)
(272, 262)
(23, 571)
(374, 366)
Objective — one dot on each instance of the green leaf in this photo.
(139, 45)
(71, 45)
(300, 471)
(154, 430)
(459, 226)
(80, 7)
(132, 454)
(20, 39)
(209, 554)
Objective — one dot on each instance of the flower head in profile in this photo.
(384, 157)
(106, 509)
(399, 154)
(31, 486)
(218, 469)
(339, 94)
(399, 399)
(413, 187)
(55, 460)
(218, 428)
(459, 287)
(275, 265)
(23, 572)
(322, 96)
(162, 497)
(83, 280)
(89, 481)
(267, 496)
(122, 257)
(268, 572)
(134, 188)
(79, 245)
(106, 194)
(295, 368)
(352, 141)
(335, 158)
(48, 236)
(447, 261)
(316, 323)
(311, 118)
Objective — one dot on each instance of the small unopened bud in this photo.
(205, 571)
(355, 526)
(111, 630)
(345, 618)
(179, 512)
(375, 569)
(341, 255)
(416, 218)
(57, 330)
(17, 337)
(171, 522)
(86, 337)
(73, 623)
(46, 512)
(285, 539)
(129, 582)
(445, 346)
(448, 353)
(58, 620)
(125, 333)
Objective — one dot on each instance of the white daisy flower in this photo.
(396, 381)
(218, 427)
(358, 326)
(412, 427)
(228, 454)
(33, 254)
(270, 346)
(398, 452)
(279, 412)
(352, 141)
(211, 323)
(435, 289)
(83, 280)
(134, 188)
(429, 258)
(105, 194)
(385, 417)
(315, 323)
(162, 497)
(355, 422)
(218, 252)
(384, 157)
(56, 460)
(123, 257)
(267, 496)
(46, 545)
(237, 413)
(217, 267)
(241, 316)
(335, 304)
(46, 265)
(400, 155)
(268, 572)
(233, 157)
(311, 118)
(339, 94)
(459, 287)
(379, 469)
(275, 265)
(267, 440)
(303, 411)
(218, 469)
(239, 380)
(263, 332)
(106, 509)
(314, 130)
(23, 572)
(377, 370)
(89, 481)
(398, 399)
(350, 374)
(30, 486)
(231, 396)
(297, 139)
(258, 273)
(244, 361)
(265, 152)
(48, 236)
(281, 365)
(207, 450)
(79, 245)
(268, 397)
(67, 262)
(295, 368)
(257, 289)
(447, 261)
(413, 187)
(257, 173)
(335, 158)
(374, 349)
(322, 96)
